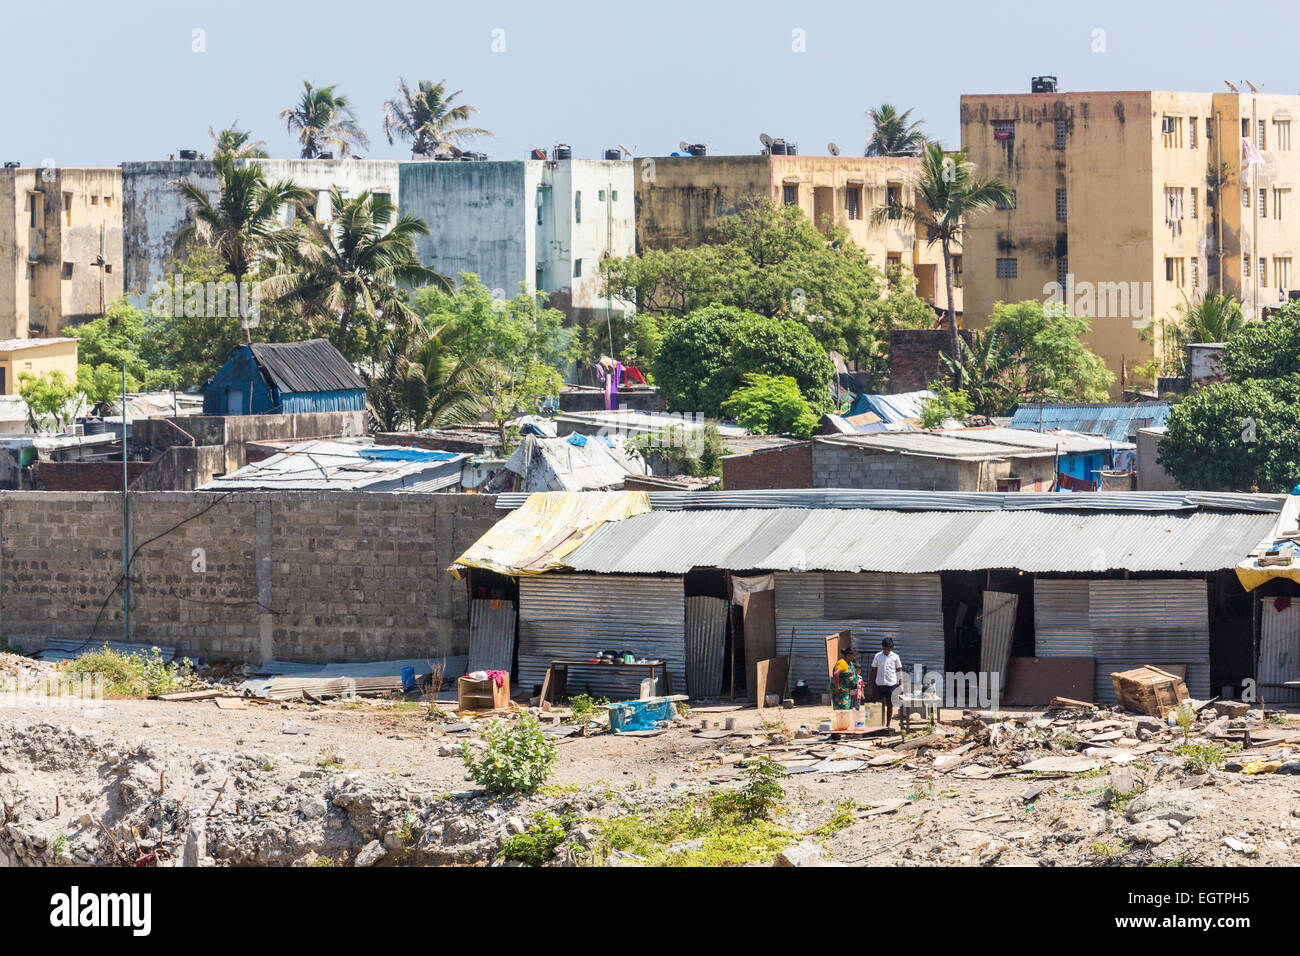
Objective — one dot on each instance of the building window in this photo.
(1260, 141)
(1195, 205)
(1245, 129)
(1245, 199)
(67, 209)
(1171, 130)
(1174, 270)
(894, 198)
(1060, 205)
(1209, 130)
(956, 272)
(1062, 271)
(1174, 207)
(1278, 195)
(853, 202)
(790, 195)
(1004, 129)
(108, 200)
(31, 208)
(577, 268)
(1282, 271)
(893, 258)
(94, 200)
(1263, 271)
(1011, 204)
(1008, 268)
(1060, 134)
(1245, 266)
(1282, 134)
(1196, 272)
(1263, 204)
(67, 270)
(108, 268)
(600, 195)
(1191, 132)
(613, 195)
(577, 206)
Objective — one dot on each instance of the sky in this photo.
(97, 84)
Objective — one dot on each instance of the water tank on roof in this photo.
(562, 151)
(1043, 84)
(613, 154)
(537, 154)
(326, 155)
(779, 147)
(188, 153)
(697, 149)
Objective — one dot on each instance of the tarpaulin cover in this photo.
(1250, 573)
(538, 536)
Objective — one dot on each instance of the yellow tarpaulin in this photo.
(1250, 573)
(537, 536)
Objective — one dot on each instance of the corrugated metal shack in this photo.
(1116, 579)
(284, 378)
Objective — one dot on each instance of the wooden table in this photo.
(555, 684)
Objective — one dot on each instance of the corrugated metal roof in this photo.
(812, 498)
(311, 366)
(935, 445)
(341, 464)
(924, 542)
(1116, 421)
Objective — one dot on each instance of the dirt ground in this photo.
(911, 812)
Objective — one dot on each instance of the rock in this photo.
(515, 825)
(150, 722)
(1234, 844)
(448, 750)
(291, 729)
(371, 854)
(1151, 725)
(196, 847)
(1153, 832)
(313, 808)
(393, 840)
(1231, 708)
(801, 854)
(1164, 804)
(460, 830)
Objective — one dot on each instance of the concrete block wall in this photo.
(845, 466)
(310, 576)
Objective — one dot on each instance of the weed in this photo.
(841, 819)
(683, 709)
(1107, 851)
(324, 861)
(7, 648)
(585, 708)
(134, 675)
(1185, 717)
(538, 842)
(1200, 757)
(760, 794)
(1068, 741)
(516, 759)
(60, 846)
(1117, 801)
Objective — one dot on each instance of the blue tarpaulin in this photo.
(640, 714)
(405, 454)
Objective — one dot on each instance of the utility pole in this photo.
(126, 526)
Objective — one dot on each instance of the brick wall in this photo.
(311, 576)
(790, 466)
(914, 357)
(84, 475)
(846, 466)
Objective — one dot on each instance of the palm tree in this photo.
(324, 122)
(983, 370)
(237, 142)
(892, 134)
(242, 222)
(421, 383)
(355, 263)
(425, 116)
(946, 192)
(1215, 317)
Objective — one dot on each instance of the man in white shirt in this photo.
(886, 668)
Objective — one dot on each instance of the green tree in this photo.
(102, 384)
(1266, 349)
(986, 370)
(352, 267)
(425, 116)
(517, 390)
(705, 355)
(947, 193)
(948, 403)
(1236, 436)
(422, 385)
(242, 222)
(324, 122)
(892, 134)
(771, 405)
(51, 398)
(114, 339)
(236, 142)
(1051, 361)
(1214, 317)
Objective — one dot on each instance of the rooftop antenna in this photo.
(625, 149)
(765, 140)
(834, 150)
(1251, 85)
(1231, 87)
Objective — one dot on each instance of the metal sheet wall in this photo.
(576, 616)
(706, 641)
(1061, 619)
(1279, 652)
(1156, 621)
(998, 632)
(491, 635)
(811, 606)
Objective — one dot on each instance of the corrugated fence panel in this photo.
(577, 616)
(1156, 621)
(706, 639)
(491, 635)
(799, 596)
(998, 631)
(1279, 652)
(1061, 626)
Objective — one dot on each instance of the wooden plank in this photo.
(760, 633)
(194, 694)
(1036, 680)
(770, 677)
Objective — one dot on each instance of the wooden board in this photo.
(770, 677)
(760, 633)
(1036, 680)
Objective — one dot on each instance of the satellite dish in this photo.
(684, 146)
(1230, 86)
(625, 149)
(834, 150)
(765, 139)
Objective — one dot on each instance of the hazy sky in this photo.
(94, 84)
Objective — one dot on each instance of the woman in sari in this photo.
(847, 682)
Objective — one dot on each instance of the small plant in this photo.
(323, 861)
(516, 759)
(585, 707)
(1201, 757)
(1184, 717)
(7, 648)
(538, 842)
(1117, 801)
(133, 674)
(60, 846)
(760, 794)
(841, 819)
(1107, 851)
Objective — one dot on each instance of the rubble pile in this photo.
(18, 672)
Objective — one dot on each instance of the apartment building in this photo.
(540, 225)
(680, 200)
(154, 210)
(1124, 205)
(60, 247)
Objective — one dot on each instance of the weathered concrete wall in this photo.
(311, 576)
(154, 211)
(62, 263)
(1151, 475)
(836, 465)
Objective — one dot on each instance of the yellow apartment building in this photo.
(60, 247)
(1125, 205)
(680, 199)
(37, 356)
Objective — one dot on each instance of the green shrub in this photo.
(134, 674)
(516, 759)
(538, 843)
(759, 796)
(1201, 757)
(585, 707)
